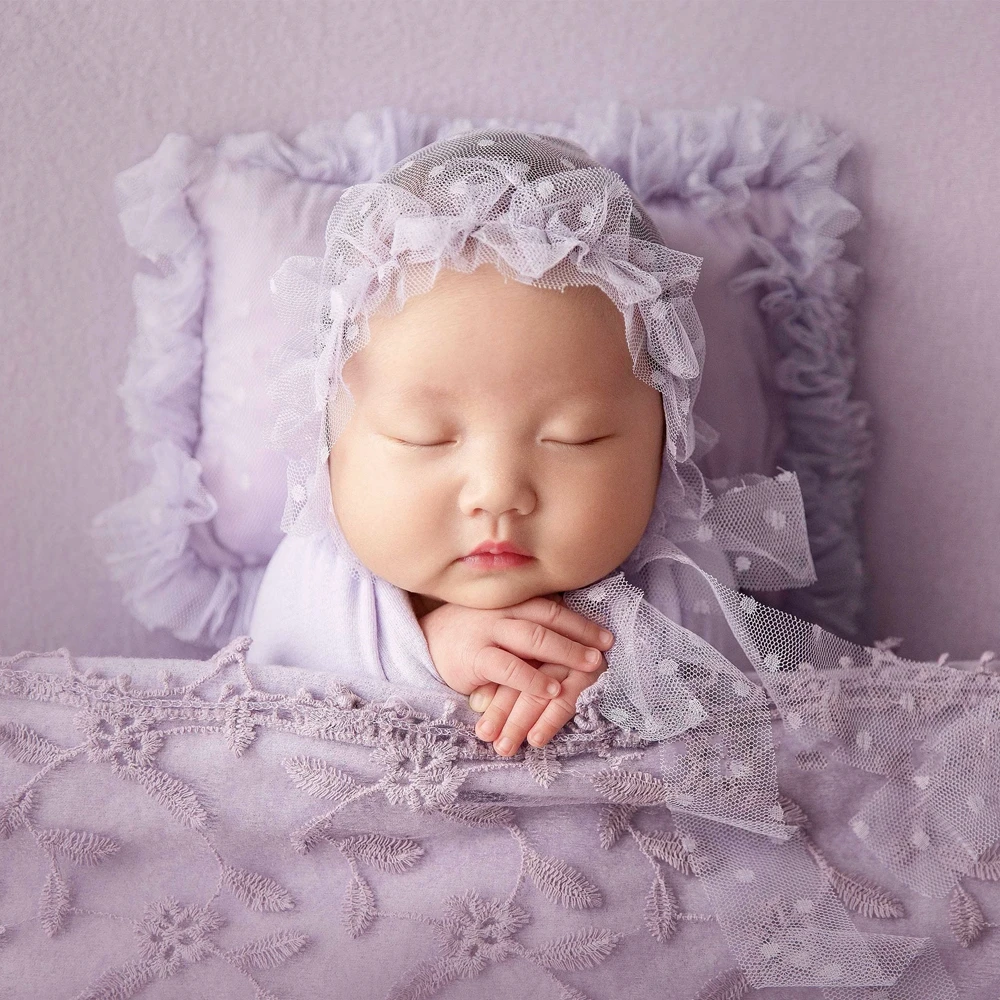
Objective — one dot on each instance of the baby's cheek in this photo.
(369, 506)
(592, 530)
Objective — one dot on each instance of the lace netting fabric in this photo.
(706, 685)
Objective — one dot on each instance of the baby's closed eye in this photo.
(452, 441)
(574, 444)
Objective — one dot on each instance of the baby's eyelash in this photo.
(580, 444)
(417, 444)
(440, 444)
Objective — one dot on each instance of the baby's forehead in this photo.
(481, 327)
(444, 388)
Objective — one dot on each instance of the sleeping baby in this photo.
(490, 408)
(492, 414)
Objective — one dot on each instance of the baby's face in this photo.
(491, 410)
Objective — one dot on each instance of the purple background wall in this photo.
(89, 88)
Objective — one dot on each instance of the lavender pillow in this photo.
(748, 188)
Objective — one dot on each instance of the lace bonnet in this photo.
(543, 212)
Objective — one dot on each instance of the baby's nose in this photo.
(498, 483)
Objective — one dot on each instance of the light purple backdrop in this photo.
(88, 89)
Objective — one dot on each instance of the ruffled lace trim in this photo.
(169, 562)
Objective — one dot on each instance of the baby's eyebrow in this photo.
(417, 392)
(420, 392)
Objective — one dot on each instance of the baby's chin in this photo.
(502, 591)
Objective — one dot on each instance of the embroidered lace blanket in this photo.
(213, 829)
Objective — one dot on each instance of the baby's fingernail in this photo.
(485, 731)
(505, 745)
(478, 701)
(552, 690)
(535, 739)
(593, 656)
(607, 637)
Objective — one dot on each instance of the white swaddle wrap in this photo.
(299, 619)
(314, 613)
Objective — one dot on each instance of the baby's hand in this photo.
(471, 647)
(512, 714)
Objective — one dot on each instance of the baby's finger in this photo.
(522, 717)
(502, 666)
(555, 715)
(480, 699)
(533, 640)
(489, 726)
(553, 614)
(526, 710)
(493, 720)
(560, 710)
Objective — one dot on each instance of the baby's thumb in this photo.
(480, 699)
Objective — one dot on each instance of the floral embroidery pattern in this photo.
(412, 766)
(475, 932)
(171, 934)
(125, 740)
(419, 773)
